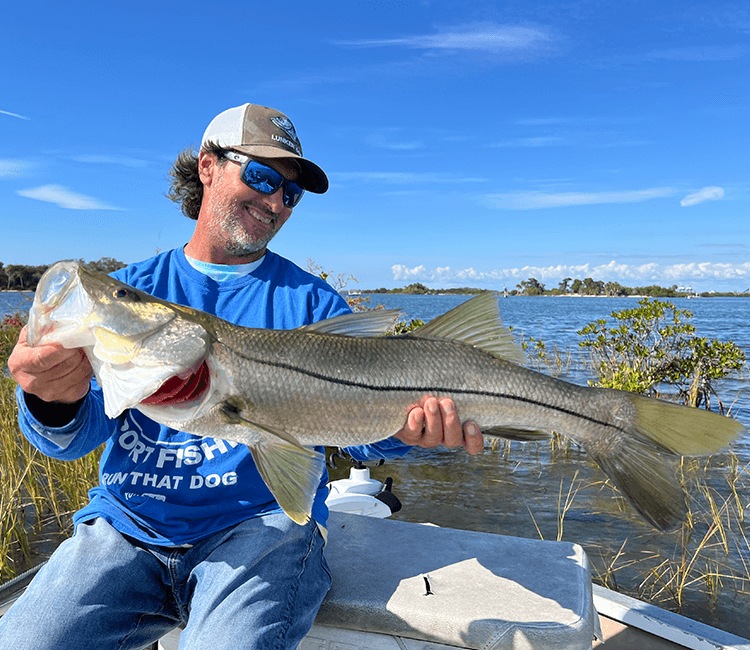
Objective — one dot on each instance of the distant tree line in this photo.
(568, 286)
(419, 288)
(23, 277)
(591, 287)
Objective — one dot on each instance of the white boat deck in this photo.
(403, 586)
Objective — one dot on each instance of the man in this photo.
(182, 530)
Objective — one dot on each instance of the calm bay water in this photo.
(12, 301)
(516, 489)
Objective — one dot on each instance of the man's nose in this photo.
(275, 201)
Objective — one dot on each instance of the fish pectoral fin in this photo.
(522, 435)
(235, 411)
(292, 473)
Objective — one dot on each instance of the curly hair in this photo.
(187, 189)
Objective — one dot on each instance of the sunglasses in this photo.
(265, 179)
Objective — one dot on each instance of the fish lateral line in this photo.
(427, 390)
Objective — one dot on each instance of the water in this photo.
(12, 301)
(517, 489)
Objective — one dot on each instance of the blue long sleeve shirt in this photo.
(168, 487)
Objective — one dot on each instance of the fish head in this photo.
(134, 341)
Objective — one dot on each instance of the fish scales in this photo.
(336, 383)
(322, 377)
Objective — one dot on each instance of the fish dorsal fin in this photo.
(362, 323)
(475, 322)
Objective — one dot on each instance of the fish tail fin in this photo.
(647, 476)
(644, 465)
(292, 474)
(683, 430)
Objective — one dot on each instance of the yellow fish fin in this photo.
(292, 473)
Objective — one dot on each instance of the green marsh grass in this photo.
(706, 560)
(38, 494)
(704, 564)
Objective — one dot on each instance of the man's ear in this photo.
(208, 164)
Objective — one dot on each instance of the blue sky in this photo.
(467, 142)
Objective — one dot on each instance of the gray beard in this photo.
(238, 241)
(239, 249)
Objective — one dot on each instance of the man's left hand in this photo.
(435, 422)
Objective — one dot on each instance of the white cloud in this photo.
(63, 197)
(628, 274)
(480, 36)
(10, 168)
(711, 193)
(535, 200)
(20, 117)
(106, 159)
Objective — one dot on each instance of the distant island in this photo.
(568, 287)
(24, 277)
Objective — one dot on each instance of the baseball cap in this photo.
(266, 133)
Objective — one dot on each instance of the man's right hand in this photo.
(51, 372)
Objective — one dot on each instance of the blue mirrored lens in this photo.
(292, 194)
(266, 180)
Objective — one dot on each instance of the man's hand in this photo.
(435, 422)
(51, 372)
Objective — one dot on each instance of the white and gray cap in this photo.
(266, 133)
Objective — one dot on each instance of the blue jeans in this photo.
(256, 585)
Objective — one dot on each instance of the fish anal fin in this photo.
(475, 322)
(292, 474)
(521, 435)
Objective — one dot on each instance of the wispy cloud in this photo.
(486, 37)
(651, 272)
(106, 159)
(10, 168)
(536, 200)
(63, 197)
(391, 139)
(711, 193)
(538, 141)
(401, 178)
(20, 117)
(699, 53)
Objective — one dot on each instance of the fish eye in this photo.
(122, 293)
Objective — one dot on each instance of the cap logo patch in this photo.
(285, 124)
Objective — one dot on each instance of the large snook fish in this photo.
(337, 383)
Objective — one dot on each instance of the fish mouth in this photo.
(54, 289)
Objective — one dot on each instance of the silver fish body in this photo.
(335, 383)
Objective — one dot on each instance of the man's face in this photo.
(244, 220)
